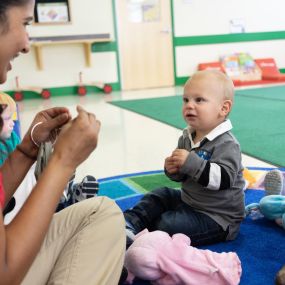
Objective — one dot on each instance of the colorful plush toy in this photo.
(271, 207)
(165, 260)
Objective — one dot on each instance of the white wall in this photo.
(208, 17)
(212, 17)
(62, 63)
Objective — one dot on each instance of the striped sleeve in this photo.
(214, 177)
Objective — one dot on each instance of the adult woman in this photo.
(83, 244)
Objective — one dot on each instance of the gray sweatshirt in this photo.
(212, 180)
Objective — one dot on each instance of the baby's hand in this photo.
(170, 166)
(179, 157)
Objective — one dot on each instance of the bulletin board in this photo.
(52, 12)
(85, 17)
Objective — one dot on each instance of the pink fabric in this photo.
(2, 193)
(163, 260)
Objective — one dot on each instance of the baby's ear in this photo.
(226, 107)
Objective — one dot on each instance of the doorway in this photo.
(145, 43)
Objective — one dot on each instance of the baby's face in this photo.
(8, 123)
(203, 103)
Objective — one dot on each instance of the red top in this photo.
(2, 193)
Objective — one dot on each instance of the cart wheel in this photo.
(81, 91)
(18, 96)
(107, 88)
(46, 94)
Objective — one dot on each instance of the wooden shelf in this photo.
(85, 40)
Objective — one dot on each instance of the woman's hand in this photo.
(77, 139)
(51, 120)
(44, 127)
(19, 162)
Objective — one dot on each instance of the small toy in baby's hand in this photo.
(165, 260)
(271, 207)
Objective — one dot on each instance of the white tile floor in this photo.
(129, 142)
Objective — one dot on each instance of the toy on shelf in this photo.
(82, 88)
(18, 95)
(230, 66)
(241, 66)
(244, 70)
(162, 259)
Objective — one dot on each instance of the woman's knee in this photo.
(108, 210)
(109, 204)
(100, 203)
(97, 209)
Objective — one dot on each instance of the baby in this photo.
(8, 137)
(209, 207)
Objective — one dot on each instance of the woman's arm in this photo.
(20, 241)
(19, 162)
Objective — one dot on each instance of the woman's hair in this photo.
(2, 108)
(2, 152)
(6, 99)
(4, 6)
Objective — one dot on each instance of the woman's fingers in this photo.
(57, 122)
(78, 138)
(83, 114)
(48, 129)
(55, 118)
(54, 112)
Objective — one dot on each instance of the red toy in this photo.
(82, 89)
(267, 66)
(19, 94)
(269, 69)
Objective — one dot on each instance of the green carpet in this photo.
(150, 182)
(257, 117)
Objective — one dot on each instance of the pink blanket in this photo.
(166, 260)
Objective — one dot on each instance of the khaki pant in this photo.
(85, 244)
